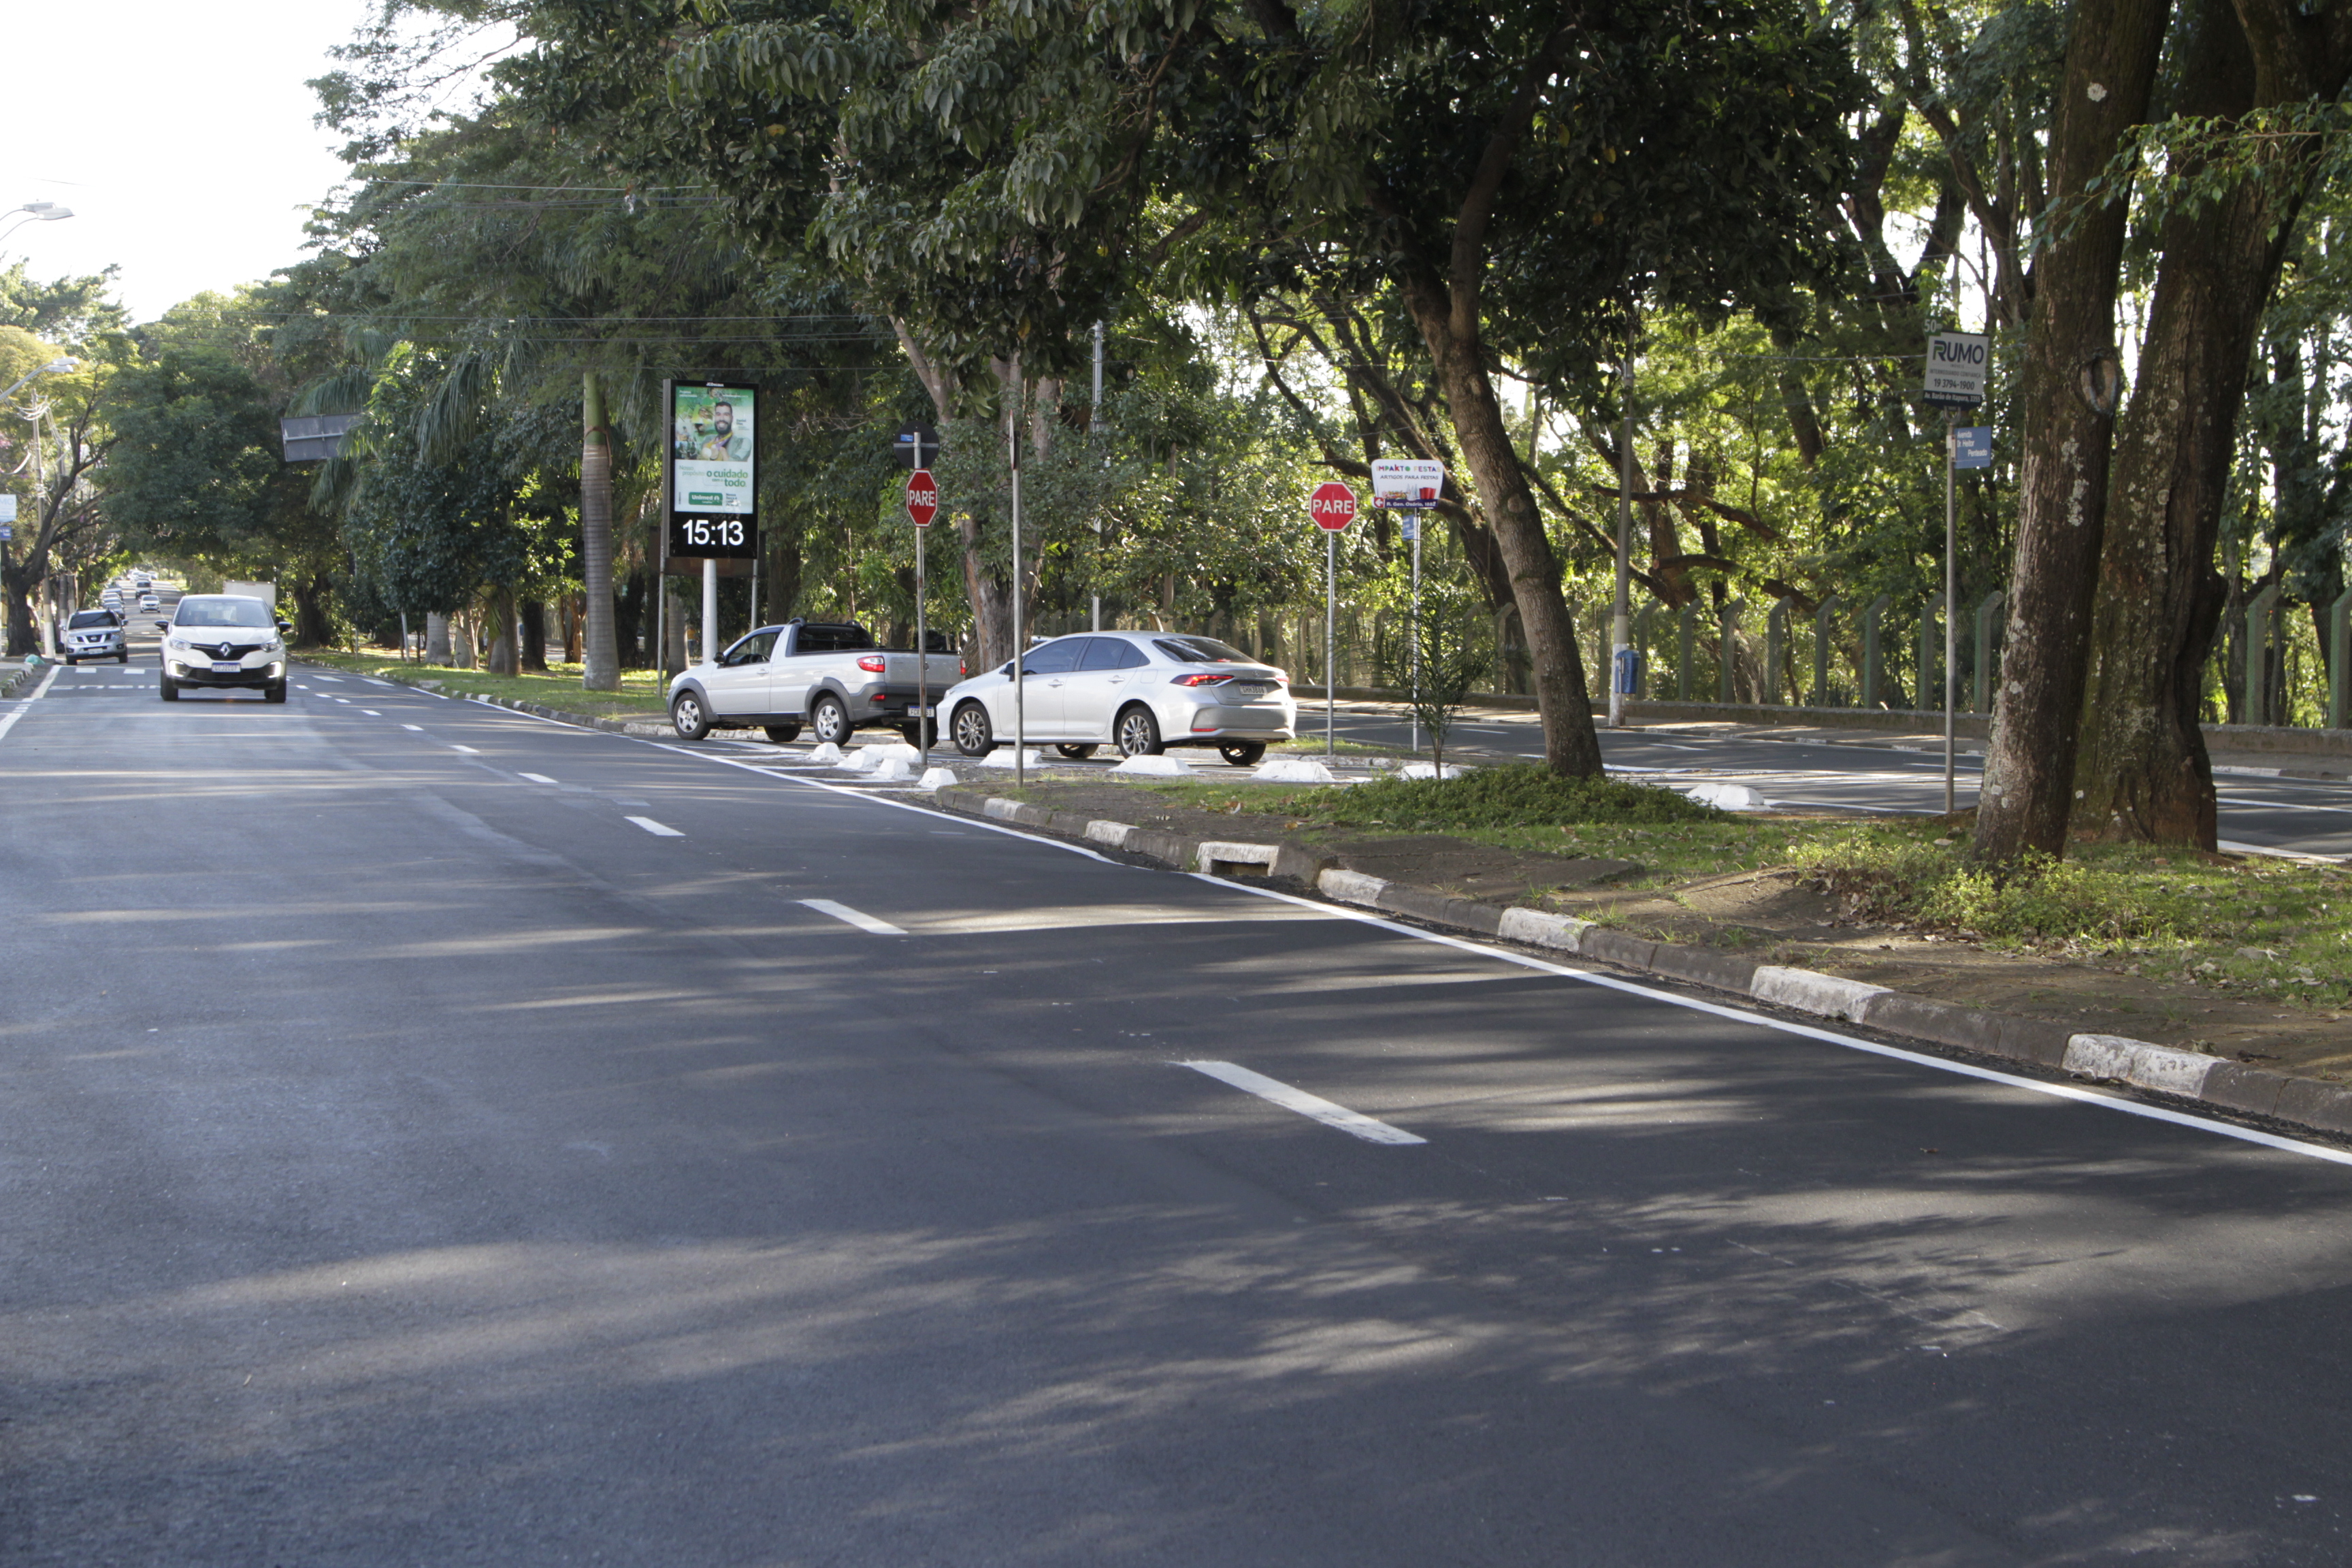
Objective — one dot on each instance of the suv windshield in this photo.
(84, 619)
(223, 612)
(1201, 650)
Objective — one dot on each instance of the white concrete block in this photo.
(1214, 856)
(937, 778)
(2141, 1062)
(1351, 887)
(1539, 929)
(1293, 770)
(1825, 994)
(1112, 833)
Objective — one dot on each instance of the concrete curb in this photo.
(2038, 1042)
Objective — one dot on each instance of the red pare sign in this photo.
(1332, 506)
(922, 497)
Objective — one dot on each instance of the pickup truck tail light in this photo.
(962, 668)
(1202, 679)
(873, 664)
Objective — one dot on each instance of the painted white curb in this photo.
(1827, 995)
(1538, 929)
(1111, 833)
(1212, 856)
(2139, 1062)
(1351, 887)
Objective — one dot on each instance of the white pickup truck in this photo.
(829, 676)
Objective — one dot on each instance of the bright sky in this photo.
(179, 134)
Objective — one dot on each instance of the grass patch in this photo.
(1514, 796)
(640, 693)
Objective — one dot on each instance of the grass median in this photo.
(640, 694)
(2277, 929)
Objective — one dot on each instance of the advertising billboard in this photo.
(712, 456)
(1409, 482)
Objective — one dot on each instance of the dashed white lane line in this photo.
(345, 700)
(371, 712)
(418, 728)
(857, 918)
(1274, 1090)
(468, 749)
(658, 829)
(536, 778)
(8, 721)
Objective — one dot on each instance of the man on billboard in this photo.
(725, 443)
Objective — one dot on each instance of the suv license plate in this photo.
(220, 667)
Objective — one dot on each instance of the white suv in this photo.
(224, 640)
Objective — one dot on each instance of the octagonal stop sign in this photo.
(922, 497)
(1332, 506)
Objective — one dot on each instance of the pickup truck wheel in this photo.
(830, 719)
(783, 734)
(123, 657)
(1077, 754)
(1139, 732)
(1243, 753)
(687, 716)
(974, 736)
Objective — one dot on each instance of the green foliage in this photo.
(1453, 660)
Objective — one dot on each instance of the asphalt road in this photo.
(2292, 816)
(432, 1136)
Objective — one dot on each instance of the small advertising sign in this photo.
(711, 488)
(1956, 369)
(1411, 482)
(1973, 447)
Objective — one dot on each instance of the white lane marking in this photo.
(659, 830)
(371, 712)
(372, 681)
(2091, 1096)
(330, 679)
(1274, 1091)
(418, 728)
(468, 749)
(536, 778)
(862, 921)
(345, 700)
(17, 713)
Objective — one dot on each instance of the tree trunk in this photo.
(16, 584)
(601, 659)
(534, 636)
(1562, 699)
(2144, 773)
(2073, 380)
(500, 659)
(436, 638)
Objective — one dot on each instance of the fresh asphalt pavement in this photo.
(2287, 816)
(431, 1135)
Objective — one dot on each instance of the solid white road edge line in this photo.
(658, 831)
(1784, 1025)
(39, 692)
(857, 918)
(1354, 1122)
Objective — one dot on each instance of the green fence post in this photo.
(1776, 645)
(1821, 652)
(1871, 669)
(2339, 660)
(1726, 628)
(1930, 668)
(2260, 615)
(1688, 617)
(1988, 637)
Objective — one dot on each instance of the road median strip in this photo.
(2044, 1043)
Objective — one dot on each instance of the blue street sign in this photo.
(1973, 447)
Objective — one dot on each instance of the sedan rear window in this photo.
(1201, 650)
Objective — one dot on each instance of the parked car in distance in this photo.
(832, 677)
(215, 640)
(95, 634)
(1142, 692)
(112, 599)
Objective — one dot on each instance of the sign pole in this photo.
(709, 609)
(1330, 640)
(1415, 519)
(1020, 660)
(922, 637)
(1951, 607)
(1620, 626)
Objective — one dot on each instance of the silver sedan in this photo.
(1140, 692)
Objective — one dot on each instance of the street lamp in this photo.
(35, 212)
(54, 367)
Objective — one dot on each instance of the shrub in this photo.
(1517, 795)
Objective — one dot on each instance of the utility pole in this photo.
(1094, 427)
(1020, 650)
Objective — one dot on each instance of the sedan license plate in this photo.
(1253, 688)
(227, 668)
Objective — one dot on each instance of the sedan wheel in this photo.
(974, 736)
(830, 721)
(1139, 734)
(1242, 753)
(687, 716)
(1077, 754)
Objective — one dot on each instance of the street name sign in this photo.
(1973, 447)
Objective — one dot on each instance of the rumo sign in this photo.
(710, 467)
(1956, 369)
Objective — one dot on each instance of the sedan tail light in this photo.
(1202, 679)
(873, 664)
